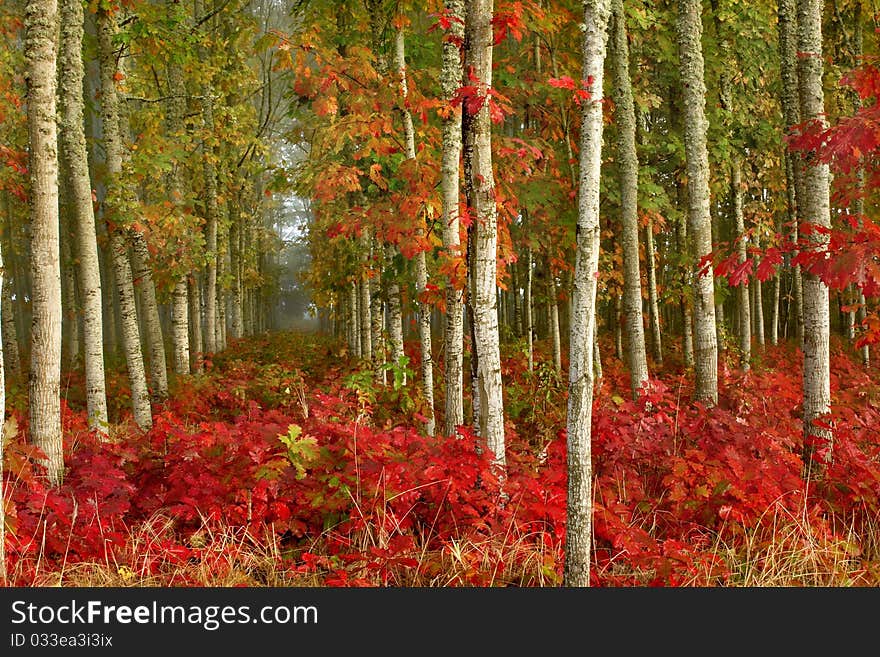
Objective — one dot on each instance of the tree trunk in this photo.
(777, 293)
(366, 320)
(815, 210)
(73, 150)
(759, 307)
(863, 316)
(653, 301)
(70, 317)
(115, 202)
(742, 291)
(553, 307)
(618, 327)
(44, 399)
(700, 225)
(236, 320)
(366, 301)
(175, 109)
(180, 326)
(685, 314)
(143, 275)
(453, 336)
(859, 203)
(10, 333)
(395, 317)
(791, 111)
(527, 302)
(377, 319)
(424, 308)
(480, 185)
(628, 162)
(578, 531)
(196, 342)
(354, 320)
(516, 300)
(212, 212)
(222, 297)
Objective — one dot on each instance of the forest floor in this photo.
(287, 464)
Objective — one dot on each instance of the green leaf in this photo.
(302, 451)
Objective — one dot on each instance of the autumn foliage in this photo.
(282, 444)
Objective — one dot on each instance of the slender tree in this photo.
(450, 79)
(41, 51)
(628, 162)
(480, 192)
(693, 87)
(176, 130)
(73, 150)
(427, 359)
(745, 317)
(815, 210)
(578, 531)
(791, 113)
(116, 202)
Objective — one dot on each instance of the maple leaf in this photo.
(445, 19)
(469, 98)
(565, 82)
(506, 23)
(767, 266)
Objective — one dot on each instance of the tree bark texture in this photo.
(691, 70)
(44, 399)
(578, 531)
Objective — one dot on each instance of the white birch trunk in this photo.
(628, 161)
(366, 321)
(175, 109)
(70, 317)
(815, 211)
(395, 319)
(354, 320)
(759, 306)
(10, 332)
(578, 531)
(690, 29)
(212, 212)
(478, 61)
(791, 111)
(115, 202)
(450, 79)
(527, 301)
(742, 291)
(143, 275)
(377, 319)
(236, 319)
(554, 326)
(44, 398)
(180, 326)
(196, 341)
(653, 297)
(427, 359)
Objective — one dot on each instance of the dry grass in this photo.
(785, 549)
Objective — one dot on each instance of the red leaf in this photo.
(565, 82)
(767, 266)
(740, 273)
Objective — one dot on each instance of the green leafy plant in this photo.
(302, 450)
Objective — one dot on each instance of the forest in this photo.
(459, 293)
